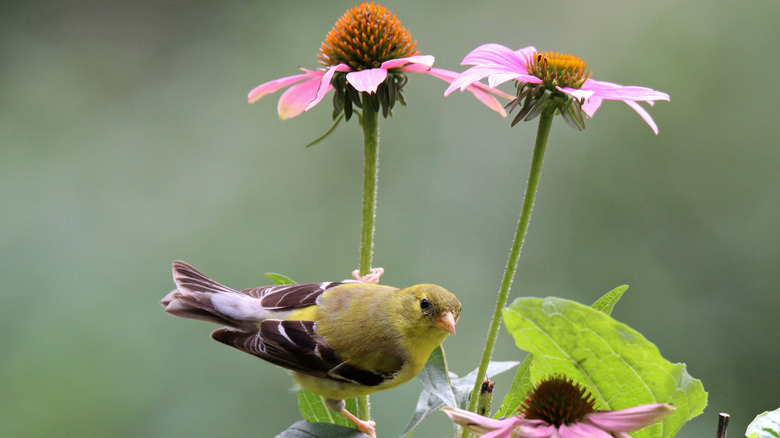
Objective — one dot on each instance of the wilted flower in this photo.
(367, 51)
(549, 78)
(559, 408)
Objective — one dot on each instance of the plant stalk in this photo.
(370, 122)
(542, 133)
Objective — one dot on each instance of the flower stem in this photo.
(542, 133)
(370, 122)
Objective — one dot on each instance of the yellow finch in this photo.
(339, 339)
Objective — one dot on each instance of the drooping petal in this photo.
(482, 92)
(577, 93)
(488, 99)
(536, 429)
(612, 91)
(496, 55)
(497, 63)
(367, 80)
(415, 68)
(277, 84)
(474, 422)
(496, 79)
(325, 85)
(468, 77)
(297, 98)
(591, 105)
(508, 429)
(417, 60)
(496, 76)
(643, 114)
(582, 430)
(627, 420)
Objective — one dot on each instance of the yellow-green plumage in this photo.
(339, 340)
(378, 328)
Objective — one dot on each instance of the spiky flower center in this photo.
(558, 69)
(365, 37)
(557, 400)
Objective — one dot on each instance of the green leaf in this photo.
(330, 131)
(314, 409)
(615, 363)
(462, 386)
(442, 388)
(521, 385)
(608, 301)
(427, 404)
(766, 425)
(303, 429)
(279, 279)
(435, 379)
(436, 392)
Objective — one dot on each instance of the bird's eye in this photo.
(424, 303)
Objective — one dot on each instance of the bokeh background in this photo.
(126, 142)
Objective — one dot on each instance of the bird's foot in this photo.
(371, 277)
(367, 427)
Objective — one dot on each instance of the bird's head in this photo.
(436, 307)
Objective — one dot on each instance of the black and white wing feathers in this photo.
(199, 297)
(295, 345)
(255, 324)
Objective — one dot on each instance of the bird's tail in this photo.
(199, 297)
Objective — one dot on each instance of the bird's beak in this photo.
(446, 322)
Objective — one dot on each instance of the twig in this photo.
(723, 425)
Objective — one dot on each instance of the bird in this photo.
(339, 339)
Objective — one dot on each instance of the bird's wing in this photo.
(189, 279)
(199, 297)
(289, 296)
(286, 296)
(295, 345)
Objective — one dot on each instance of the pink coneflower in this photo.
(545, 78)
(559, 408)
(367, 51)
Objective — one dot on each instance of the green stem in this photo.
(542, 133)
(370, 122)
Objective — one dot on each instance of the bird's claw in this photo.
(367, 427)
(371, 277)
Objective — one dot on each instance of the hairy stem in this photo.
(542, 133)
(370, 123)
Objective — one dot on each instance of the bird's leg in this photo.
(371, 277)
(367, 427)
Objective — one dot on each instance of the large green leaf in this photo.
(766, 425)
(615, 363)
(303, 429)
(521, 384)
(606, 303)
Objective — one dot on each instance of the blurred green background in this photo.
(126, 143)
